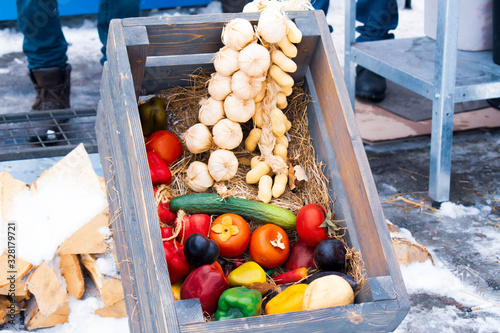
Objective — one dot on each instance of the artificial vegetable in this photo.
(199, 250)
(291, 276)
(177, 264)
(207, 283)
(153, 116)
(269, 246)
(160, 173)
(238, 302)
(199, 223)
(247, 274)
(330, 255)
(212, 203)
(166, 144)
(338, 290)
(312, 224)
(232, 233)
(289, 300)
(301, 255)
(162, 206)
(348, 278)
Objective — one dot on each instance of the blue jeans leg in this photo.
(378, 18)
(111, 9)
(321, 4)
(44, 44)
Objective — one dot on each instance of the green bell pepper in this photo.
(238, 302)
(153, 116)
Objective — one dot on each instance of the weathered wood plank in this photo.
(122, 251)
(137, 48)
(367, 317)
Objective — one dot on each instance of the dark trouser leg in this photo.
(378, 18)
(111, 9)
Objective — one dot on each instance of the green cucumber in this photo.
(212, 203)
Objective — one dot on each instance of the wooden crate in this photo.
(146, 55)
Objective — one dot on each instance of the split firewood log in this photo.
(50, 304)
(110, 287)
(19, 290)
(7, 309)
(71, 271)
(117, 310)
(407, 249)
(93, 237)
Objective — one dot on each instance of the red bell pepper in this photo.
(165, 214)
(207, 283)
(291, 276)
(301, 255)
(177, 264)
(160, 173)
(199, 223)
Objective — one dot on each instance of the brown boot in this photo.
(52, 87)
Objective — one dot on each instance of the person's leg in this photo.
(110, 9)
(378, 18)
(322, 5)
(45, 48)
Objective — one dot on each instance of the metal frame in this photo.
(21, 133)
(438, 78)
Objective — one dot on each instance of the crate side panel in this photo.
(346, 153)
(155, 299)
(163, 72)
(116, 220)
(366, 317)
(369, 222)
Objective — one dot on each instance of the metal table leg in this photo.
(443, 103)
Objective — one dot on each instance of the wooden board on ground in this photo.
(377, 125)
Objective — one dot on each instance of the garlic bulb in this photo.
(272, 25)
(254, 60)
(211, 111)
(222, 165)
(245, 86)
(219, 86)
(198, 178)
(227, 134)
(198, 138)
(238, 33)
(226, 61)
(239, 110)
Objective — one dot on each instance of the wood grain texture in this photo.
(137, 49)
(122, 252)
(155, 299)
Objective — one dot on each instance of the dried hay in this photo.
(183, 106)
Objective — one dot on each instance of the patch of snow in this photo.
(453, 210)
(107, 265)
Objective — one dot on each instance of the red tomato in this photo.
(309, 219)
(269, 246)
(232, 233)
(165, 144)
(199, 223)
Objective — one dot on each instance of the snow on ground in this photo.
(441, 283)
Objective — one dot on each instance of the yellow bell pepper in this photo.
(176, 290)
(289, 300)
(247, 274)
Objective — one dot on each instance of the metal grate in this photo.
(25, 135)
